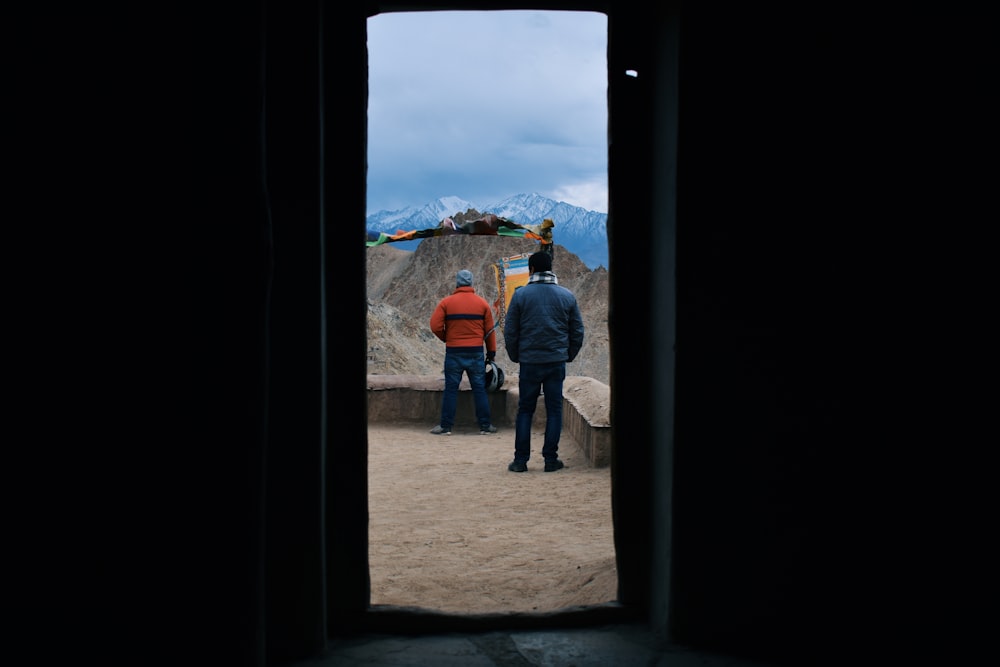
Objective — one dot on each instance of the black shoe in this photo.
(552, 466)
(517, 466)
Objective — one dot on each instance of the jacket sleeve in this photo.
(437, 321)
(512, 329)
(575, 331)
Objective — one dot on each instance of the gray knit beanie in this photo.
(464, 278)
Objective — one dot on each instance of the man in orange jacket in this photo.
(464, 321)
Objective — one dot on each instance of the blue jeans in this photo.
(472, 364)
(535, 379)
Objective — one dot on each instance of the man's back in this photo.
(462, 320)
(543, 324)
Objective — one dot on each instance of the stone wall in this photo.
(417, 398)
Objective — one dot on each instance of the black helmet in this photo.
(494, 376)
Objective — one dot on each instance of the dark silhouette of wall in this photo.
(729, 320)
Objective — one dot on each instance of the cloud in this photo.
(483, 105)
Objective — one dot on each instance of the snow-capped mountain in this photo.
(582, 232)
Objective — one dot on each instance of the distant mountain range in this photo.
(582, 232)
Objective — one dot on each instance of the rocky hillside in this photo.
(404, 287)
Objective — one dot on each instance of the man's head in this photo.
(540, 261)
(464, 278)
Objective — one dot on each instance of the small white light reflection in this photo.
(632, 73)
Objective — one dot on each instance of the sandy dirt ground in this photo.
(452, 530)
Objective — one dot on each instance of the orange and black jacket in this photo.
(462, 320)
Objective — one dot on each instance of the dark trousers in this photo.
(534, 379)
(472, 364)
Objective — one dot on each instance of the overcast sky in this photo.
(484, 105)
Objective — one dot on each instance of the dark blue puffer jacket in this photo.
(543, 324)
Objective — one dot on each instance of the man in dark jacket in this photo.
(543, 331)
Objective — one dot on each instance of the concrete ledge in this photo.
(417, 398)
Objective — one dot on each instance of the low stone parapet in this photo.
(417, 398)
